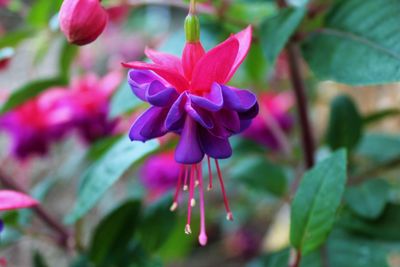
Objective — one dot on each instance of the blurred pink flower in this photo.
(82, 21)
(118, 13)
(4, 3)
(159, 173)
(88, 101)
(273, 119)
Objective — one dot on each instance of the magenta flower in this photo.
(33, 126)
(190, 97)
(159, 173)
(88, 101)
(274, 119)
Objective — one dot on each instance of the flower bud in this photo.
(82, 21)
(192, 28)
(5, 56)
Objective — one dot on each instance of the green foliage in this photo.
(259, 174)
(123, 101)
(345, 124)
(316, 202)
(106, 171)
(114, 233)
(38, 260)
(380, 115)
(354, 47)
(380, 147)
(276, 31)
(369, 199)
(42, 11)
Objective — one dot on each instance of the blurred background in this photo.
(65, 107)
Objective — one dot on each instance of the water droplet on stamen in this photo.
(188, 230)
(173, 206)
(229, 216)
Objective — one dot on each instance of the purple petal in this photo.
(218, 148)
(159, 95)
(239, 100)
(249, 114)
(229, 120)
(199, 115)
(139, 81)
(175, 117)
(212, 101)
(189, 150)
(149, 125)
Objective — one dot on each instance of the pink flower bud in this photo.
(82, 21)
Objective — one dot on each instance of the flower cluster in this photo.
(190, 97)
(84, 106)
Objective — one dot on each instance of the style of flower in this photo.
(190, 97)
(159, 173)
(273, 121)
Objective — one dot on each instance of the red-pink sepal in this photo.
(192, 53)
(82, 21)
(10, 200)
(164, 59)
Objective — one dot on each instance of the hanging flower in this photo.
(274, 120)
(190, 97)
(88, 101)
(34, 125)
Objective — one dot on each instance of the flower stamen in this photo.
(209, 174)
(182, 171)
(229, 215)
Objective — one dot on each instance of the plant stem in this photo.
(63, 233)
(301, 100)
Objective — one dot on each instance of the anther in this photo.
(188, 230)
(173, 206)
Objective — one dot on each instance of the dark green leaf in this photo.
(316, 202)
(106, 171)
(369, 199)
(380, 147)
(261, 175)
(275, 32)
(30, 90)
(384, 227)
(38, 260)
(345, 124)
(152, 233)
(354, 46)
(114, 233)
(100, 147)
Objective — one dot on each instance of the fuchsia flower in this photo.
(88, 101)
(32, 127)
(82, 21)
(159, 173)
(190, 97)
(4, 3)
(274, 119)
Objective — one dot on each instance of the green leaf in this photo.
(380, 147)
(354, 46)
(250, 13)
(386, 227)
(369, 199)
(114, 233)
(260, 175)
(106, 171)
(153, 234)
(345, 124)
(276, 31)
(316, 202)
(42, 11)
(14, 38)
(30, 90)
(380, 115)
(100, 147)
(123, 101)
(38, 260)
